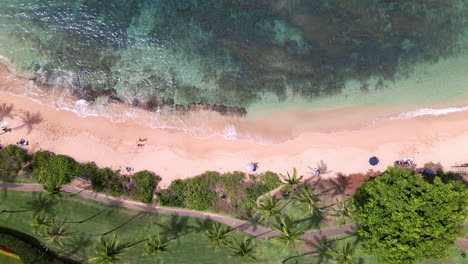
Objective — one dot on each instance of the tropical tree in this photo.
(327, 250)
(242, 248)
(55, 233)
(218, 235)
(308, 201)
(53, 190)
(345, 212)
(345, 254)
(40, 222)
(290, 234)
(292, 181)
(267, 208)
(156, 245)
(108, 250)
(405, 219)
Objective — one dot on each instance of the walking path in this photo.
(236, 223)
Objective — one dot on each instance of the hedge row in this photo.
(234, 193)
(48, 168)
(27, 252)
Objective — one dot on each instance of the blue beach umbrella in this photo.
(428, 172)
(373, 161)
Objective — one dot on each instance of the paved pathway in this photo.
(239, 224)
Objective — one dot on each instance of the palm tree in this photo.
(109, 250)
(345, 254)
(217, 235)
(242, 248)
(292, 181)
(309, 202)
(55, 233)
(53, 190)
(156, 245)
(289, 234)
(40, 222)
(267, 208)
(345, 212)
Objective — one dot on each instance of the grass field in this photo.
(130, 226)
(9, 260)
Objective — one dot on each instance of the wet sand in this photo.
(174, 155)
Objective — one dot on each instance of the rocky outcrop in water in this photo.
(222, 109)
(157, 102)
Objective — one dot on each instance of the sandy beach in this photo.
(174, 155)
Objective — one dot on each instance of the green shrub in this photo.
(145, 184)
(54, 169)
(87, 170)
(27, 252)
(12, 160)
(18, 154)
(199, 191)
(270, 180)
(109, 182)
(174, 195)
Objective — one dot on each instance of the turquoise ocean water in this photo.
(258, 54)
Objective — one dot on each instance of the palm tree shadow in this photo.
(6, 111)
(201, 225)
(310, 222)
(40, 202)
(337, 185)
(114, 229)
(252, 218)
(88, 218)
(30, 120)
(320, 250)
(76, 244)
(177, 227)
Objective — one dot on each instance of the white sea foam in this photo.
(230, 132)
(429, 111)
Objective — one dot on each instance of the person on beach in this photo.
(5, 127)
(317, 172)
(21, 142)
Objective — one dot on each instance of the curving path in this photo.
(233, 222)
(236, 223)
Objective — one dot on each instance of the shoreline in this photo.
(288, 124)
(173, 154)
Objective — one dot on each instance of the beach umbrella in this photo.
(250, 167)
(428, 172)
(373, 161)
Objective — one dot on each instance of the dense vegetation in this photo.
(27, 252)
(55, 170)
(405, 218)
(234, 193)
(13, 164)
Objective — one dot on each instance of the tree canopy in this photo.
(405, 219)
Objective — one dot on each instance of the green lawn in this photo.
(130, 226)
(9, 260)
